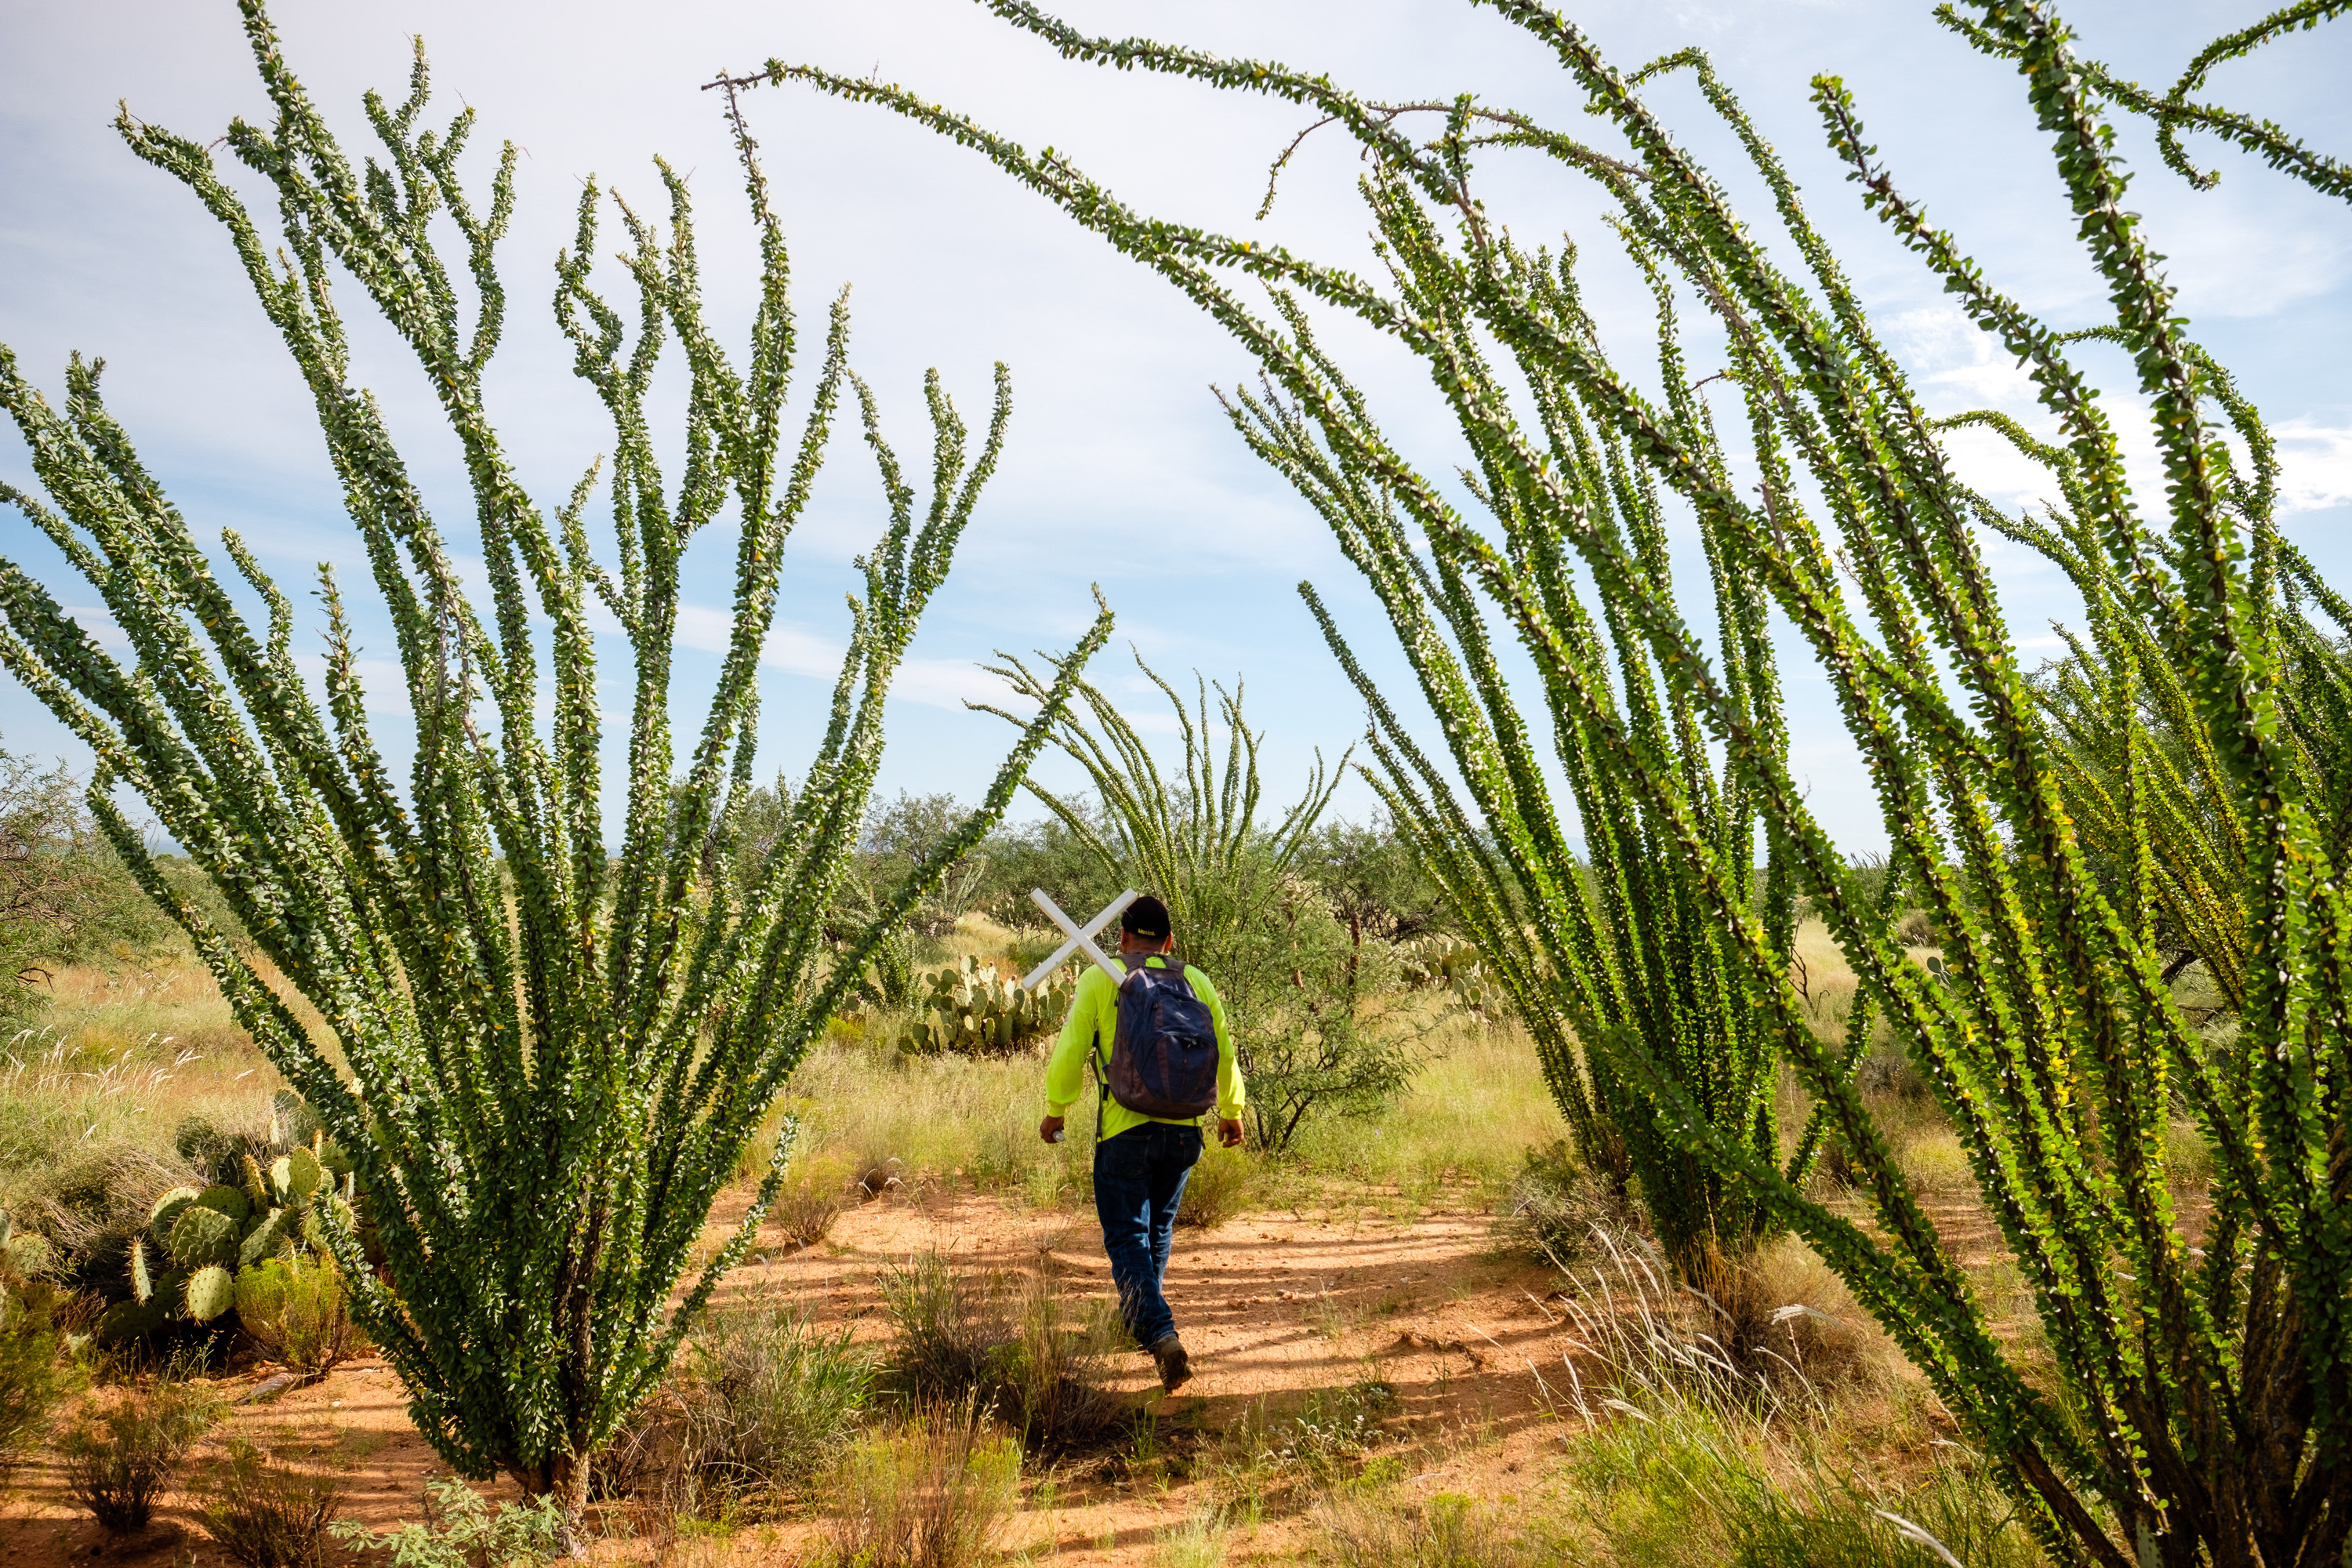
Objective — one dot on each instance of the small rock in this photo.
(268, 1388)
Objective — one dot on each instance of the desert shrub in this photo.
(765, 1401)
(932, 1493)
(63, 894)
(1559, 1207)
(1055, 1374)
(1317, 1031)
(299, 1312)
(121, 1460)
(266, 1515)
(1218, 1188)
(462, 1531)
(950, 1333)
(1447, 1531)
(36, 1376)
(808, 1203)
(1917, 929)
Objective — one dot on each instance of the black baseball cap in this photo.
(1145, 917)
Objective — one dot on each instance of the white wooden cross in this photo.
(1082, 937)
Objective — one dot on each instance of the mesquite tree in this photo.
(544, 1048)
(2201, 1407)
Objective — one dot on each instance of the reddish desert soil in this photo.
(1271, 1306)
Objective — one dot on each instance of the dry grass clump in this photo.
(952, 1333)
(268, 1515)
(1933, 1161)
(1560, 1209)
(1781, 1314)
(1015, 1353)
(90, 1204)
(1055, 1374)
(932, 1492)
(1446, 1531)
(762, 1404)
(1691, 1458)
(813, 1194)
(1221, 1184)
(120, 1460)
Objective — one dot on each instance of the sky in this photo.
(1119, 469)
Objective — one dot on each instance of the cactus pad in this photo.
(296, 1176)
(128, 1320)
(273, 1232)
(203, 1236)
(210, 1293)
(225, 1199)
(167, 1210)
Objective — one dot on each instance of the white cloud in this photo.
(2314, 466)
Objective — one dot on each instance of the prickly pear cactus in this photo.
(1446, 963)
(22, 1257)
(210, 1291)
(972, 1010)
(183, 1270)
(203, 1236)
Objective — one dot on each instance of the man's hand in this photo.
(1229, 1132)
(1050, 1130)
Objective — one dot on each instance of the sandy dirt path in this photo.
(1273, 1305)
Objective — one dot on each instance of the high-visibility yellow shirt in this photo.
(1093, 1020)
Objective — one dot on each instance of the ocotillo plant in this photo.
(2201, 1411)
(1295, 989)
(2193, 821)
(1196, 840)
(553, 1046)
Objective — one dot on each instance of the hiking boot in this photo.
(1175, 1366)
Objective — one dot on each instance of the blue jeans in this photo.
(1139, 1181)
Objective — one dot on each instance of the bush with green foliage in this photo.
(264, 1514)
(1374, 883)
(120, 1459)
(932, 1492)
(1318, 1029)
(2194, 1403)
(461, 1530)
(764, 1401)
(37, 1375)
(63, 894)
(551, 1041)
(299, 1312)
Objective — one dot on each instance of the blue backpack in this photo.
(1163, 1049)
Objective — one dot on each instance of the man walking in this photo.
(1176, 1056)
